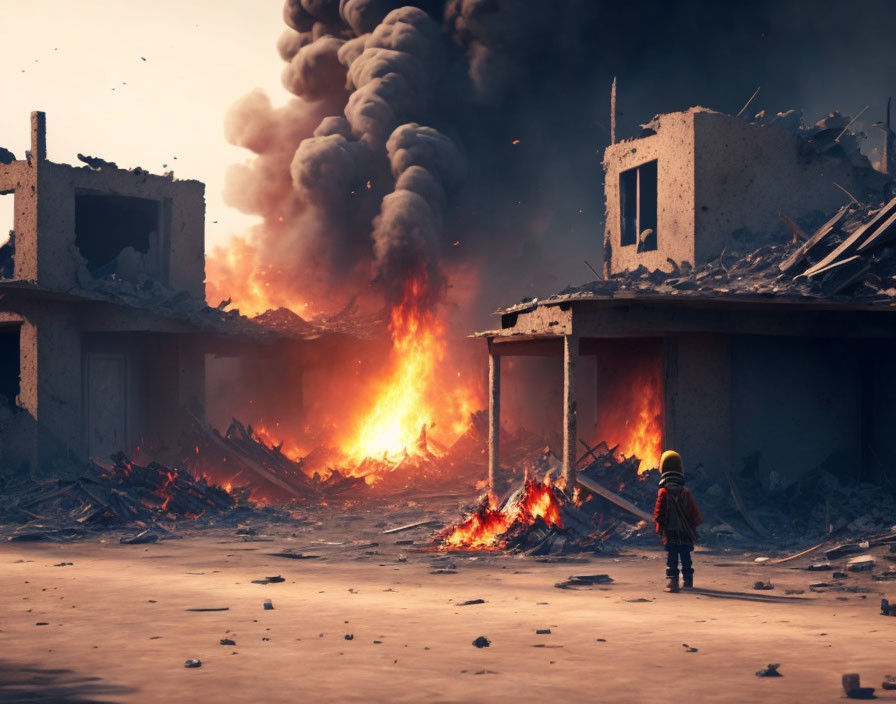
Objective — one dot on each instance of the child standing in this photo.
(677, 517)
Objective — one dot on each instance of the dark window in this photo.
(637, 206)
(9, 364)
(105, 225)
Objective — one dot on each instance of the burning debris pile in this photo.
(537, 518)
(615, 497)
(242, 458)
(121, 494)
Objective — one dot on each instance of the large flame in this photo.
(488, 525)
(400, 405)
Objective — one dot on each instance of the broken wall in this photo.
(672, 148)
(45, 220)
(746, 174)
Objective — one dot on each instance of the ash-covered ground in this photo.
(359, 614)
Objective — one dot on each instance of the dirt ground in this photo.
(118, 627)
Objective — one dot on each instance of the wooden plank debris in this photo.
(842, 274)
(801, 252)
(803, 553)
(600, 490)
(409, 526)
(851, 243)
(885, 234)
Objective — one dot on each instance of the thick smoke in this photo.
(462, 139)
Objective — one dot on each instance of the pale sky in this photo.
(80, 62)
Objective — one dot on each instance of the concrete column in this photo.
(38, 136)
(494, 419)
(570, 353)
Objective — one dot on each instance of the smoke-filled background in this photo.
(462, 140)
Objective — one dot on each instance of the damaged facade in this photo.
(105, 337)
(82, 375)
(771, 345)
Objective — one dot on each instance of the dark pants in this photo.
(674, 552)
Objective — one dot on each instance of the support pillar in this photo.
(494, 419)
(570, 354)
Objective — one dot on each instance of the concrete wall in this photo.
(45, 203)
(746, 174)
(798, 403)
(672, 147)
(698, 413)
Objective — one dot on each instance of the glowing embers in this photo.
(492, 527)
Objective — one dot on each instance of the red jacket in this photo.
(662, 514)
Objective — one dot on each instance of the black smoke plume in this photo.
(462, 139)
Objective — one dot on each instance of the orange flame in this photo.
(410, 396)
(487, 527)
(630, 400)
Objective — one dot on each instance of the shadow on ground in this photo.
(26, 684)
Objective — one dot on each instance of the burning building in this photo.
(722, 328)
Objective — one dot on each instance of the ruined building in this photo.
(748, 310)
(82, 372)
(106, 341)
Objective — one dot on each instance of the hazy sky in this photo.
(80, 62)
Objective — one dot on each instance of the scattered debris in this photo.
(293, 555)
(889, 682)
(482, 642)
(763, 585)
(770, 671)
(688, 649)
(471, 602)
(213, 608)
(862, 563)
(144, 536)
(409, 526)
(63, 564)
(853, 688)
(584, 581)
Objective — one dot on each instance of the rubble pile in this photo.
(241, 458)
(121, 494)
(742, 508)
(851, 256)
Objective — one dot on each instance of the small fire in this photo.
(630, 404)
(487, 526)
(272, 440)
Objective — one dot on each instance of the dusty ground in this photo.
(118, 629)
